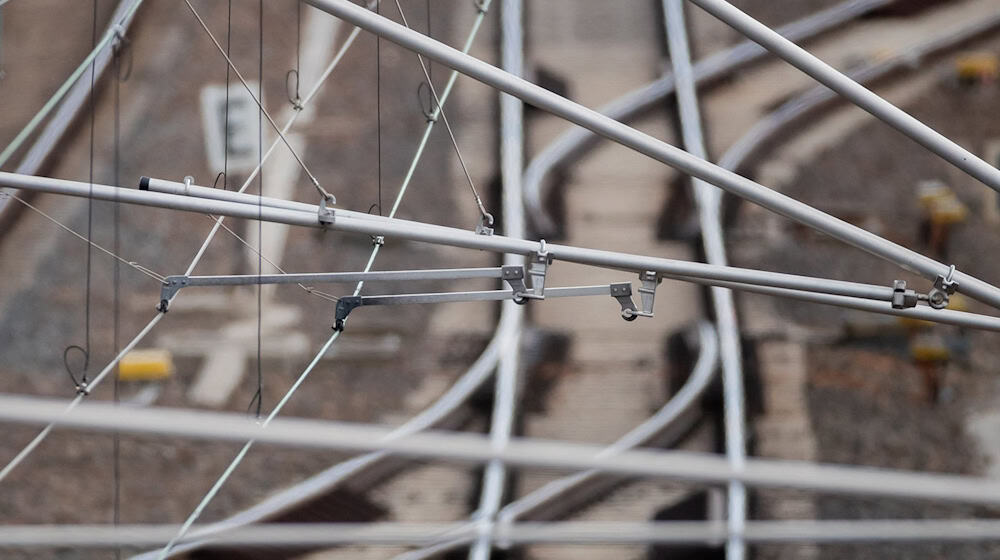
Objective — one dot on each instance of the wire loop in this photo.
(81, 385)
(294, 99)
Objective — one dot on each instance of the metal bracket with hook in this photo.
(944, 287)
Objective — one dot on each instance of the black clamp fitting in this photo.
(901, 297)
(345, 305)
(622, 292)
(171, 285)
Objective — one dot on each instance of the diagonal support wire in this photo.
(312, 178)
(37, 440)
(164, 553)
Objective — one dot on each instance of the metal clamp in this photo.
(623, 293)
(647, 292)
(944, 286)
(325, 215)
(540, 262)
(513, 275)
(901, 297)
(485, 226)
(171, 286)
(345, 305)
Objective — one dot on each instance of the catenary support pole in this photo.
(656, 149)
(855, 92)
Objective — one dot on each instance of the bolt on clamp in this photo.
(944, 286)
(325, 215)
(901, 297)
(540, 262)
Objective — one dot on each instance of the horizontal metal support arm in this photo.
(173, 284)
(350, 303)
(786, 285)
(654, 148)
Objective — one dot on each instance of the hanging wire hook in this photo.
(377, 239)
(294, 99)
(122, 45)
(429, 109)
(215, 184)
(81, 385)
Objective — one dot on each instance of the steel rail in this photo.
(745, 279)
(378, 244)
(706, 199)
(311, 535)
(801, 105)
(570, 487)
(853, 91)
(575, 141)
(656, 149)
(521, 452)
(446, 405)
(506, 390)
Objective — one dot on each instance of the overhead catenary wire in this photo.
(312, 178)
(731, 277)
(631, 105)
(291, 391)
(54, 100)
(864, 98)
(449, 401)
(658, 150)
(33, 444)
(487, 218)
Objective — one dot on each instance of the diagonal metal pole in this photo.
(657, 149)
(855, 92)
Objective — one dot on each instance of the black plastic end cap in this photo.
(144, 183)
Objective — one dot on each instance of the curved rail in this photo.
(707, 199)
(366, 469)
(507, 383)
(572, 143)
(656, 429)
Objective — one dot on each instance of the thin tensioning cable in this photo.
(117, 49)
(258, 395)
(487, 217)
(225, 130)
(378, 108)
(312, 178)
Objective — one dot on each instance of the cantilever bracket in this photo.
(623, 293)
(944, 286)
(171, 286)
(345, 305)
(325, 215)
(647, 292)
(901, 297)
(513, 274)
(540, 262)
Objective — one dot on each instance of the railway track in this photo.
(562, 419)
